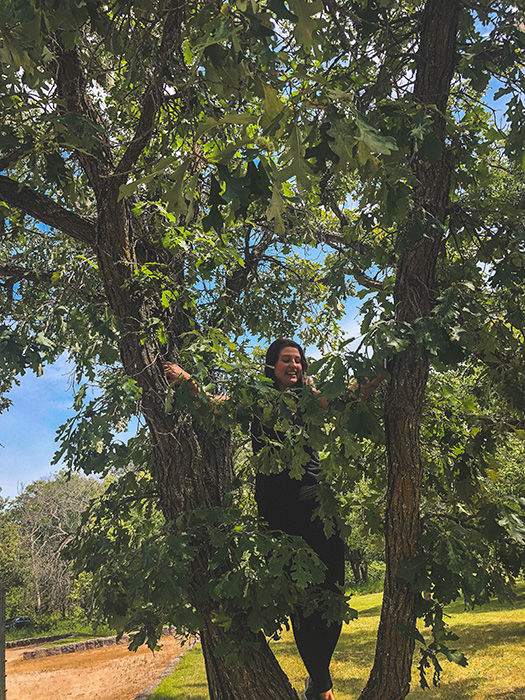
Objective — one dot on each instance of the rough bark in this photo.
(258, 676)
(193, 469)
(413, 298)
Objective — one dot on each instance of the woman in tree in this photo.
(288, 505)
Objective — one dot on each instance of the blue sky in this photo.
(27, 429)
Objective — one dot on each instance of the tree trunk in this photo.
(192, 468)
(35, 573)
(192, 464)
(355, 557)
(413, 298)
(258, 676)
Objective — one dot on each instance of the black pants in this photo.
(315, 638)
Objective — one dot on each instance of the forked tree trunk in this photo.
(193, 469)
(192, 465)
(413, 298)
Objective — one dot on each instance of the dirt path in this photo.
(109, 673)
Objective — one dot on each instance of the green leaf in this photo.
(431, 147)
(298, 167)
(372, 139)
(175, 196)
(272, 105)
(276, 209)
(410, 632)
(307, 27)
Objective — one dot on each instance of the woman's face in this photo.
(288, 368)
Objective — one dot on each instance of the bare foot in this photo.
(327, 696)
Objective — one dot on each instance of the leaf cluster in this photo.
(145, 569)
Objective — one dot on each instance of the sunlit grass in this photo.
(188, 681)
(492, 637)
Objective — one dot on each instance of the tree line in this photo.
(35, 568)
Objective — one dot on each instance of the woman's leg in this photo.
(316, 641)
(315, 637)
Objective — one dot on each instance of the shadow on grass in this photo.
(374, 611)
(357, 643)
(518, 603)
(465, 689)
(462, 689)
(516, 694)
(284, 649)
(473, 640)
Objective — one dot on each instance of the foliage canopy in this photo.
(164, 167)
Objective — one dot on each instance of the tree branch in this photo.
(153, 97)
(71, 83)
(45, 210)
(12, 157)
(459, 521)
(238, 280)
(11, 274)
(334, 9)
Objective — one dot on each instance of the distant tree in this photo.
(46, 516)
(10, 570)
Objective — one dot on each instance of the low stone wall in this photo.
(15, 644)
(88, 645)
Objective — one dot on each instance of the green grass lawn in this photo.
(492, 637)
(80, 631)
(72, 639)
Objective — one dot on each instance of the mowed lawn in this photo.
(492, 637)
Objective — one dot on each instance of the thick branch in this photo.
(72, 83)
(14, 156)
(48, 212)
(413, 298)
(338, 241)
(437, 56)
(11, 274)
(334, 9)
(459, 521)
(153, 95)
(238, 281)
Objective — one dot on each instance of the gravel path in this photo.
(109, 673)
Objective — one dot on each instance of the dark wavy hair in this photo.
(272, 355)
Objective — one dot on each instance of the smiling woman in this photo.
(286, 364)
(288, 505)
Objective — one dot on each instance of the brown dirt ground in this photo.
(109, 673)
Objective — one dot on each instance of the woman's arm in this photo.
(176, 375)
(365, 391)
(360, 391)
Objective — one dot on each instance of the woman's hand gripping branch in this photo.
(176, 375)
